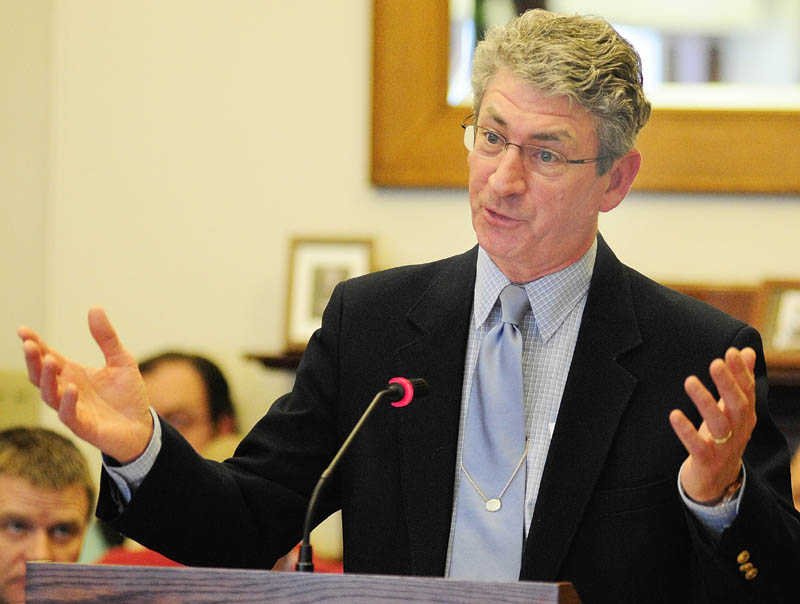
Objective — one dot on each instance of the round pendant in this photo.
(492, 505)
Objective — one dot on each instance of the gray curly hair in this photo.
(580, 57)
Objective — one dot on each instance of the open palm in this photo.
(107, 406)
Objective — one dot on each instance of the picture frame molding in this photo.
(353, 257)
(769, 302)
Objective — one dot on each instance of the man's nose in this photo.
(509, 176)
(39, 548)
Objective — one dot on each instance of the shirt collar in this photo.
(552, 297)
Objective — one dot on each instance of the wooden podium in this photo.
(96, 583)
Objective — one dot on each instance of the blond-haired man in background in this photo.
(46, 498)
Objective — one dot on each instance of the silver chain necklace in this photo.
(495, 503)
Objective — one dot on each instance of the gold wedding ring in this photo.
(724, 439)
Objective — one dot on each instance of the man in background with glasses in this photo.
(645, 474)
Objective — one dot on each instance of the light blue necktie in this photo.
(489, 528)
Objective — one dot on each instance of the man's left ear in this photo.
(622, 173)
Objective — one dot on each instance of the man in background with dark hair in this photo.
(46, 498)
(191, 394)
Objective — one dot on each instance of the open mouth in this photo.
(498, 217)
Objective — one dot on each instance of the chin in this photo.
(496, 244)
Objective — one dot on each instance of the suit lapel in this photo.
(429, 427)
(596, 394)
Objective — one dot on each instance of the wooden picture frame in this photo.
(779, 316)
(417, 142)
(316, 265)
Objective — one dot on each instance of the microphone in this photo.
(399, 392)
(402, 390)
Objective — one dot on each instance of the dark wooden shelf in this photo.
(783, 369)
(745, 302)
(283, 360)
(751, 304)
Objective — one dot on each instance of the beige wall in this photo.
(25, 49)
(175, 148)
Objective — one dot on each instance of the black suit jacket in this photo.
(608, 515)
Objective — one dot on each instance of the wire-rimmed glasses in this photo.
(539, 160)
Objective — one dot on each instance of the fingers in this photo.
(25, 333)
(716, 447)
(691, 439)
(736, 385)
(716, 420)
(48, 382)
(106, 338)
(67, 410)
(33, 361)
(749, 357)
(34, 349)
(741, 365)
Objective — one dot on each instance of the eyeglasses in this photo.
(539, 160)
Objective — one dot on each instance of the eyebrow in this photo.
(14, 516)
(22, 518)
(73, 526)
(557, 136)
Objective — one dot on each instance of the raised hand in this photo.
(716, 448)
(108, 406)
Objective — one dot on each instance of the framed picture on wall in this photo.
(780, 316)
(316, 265)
